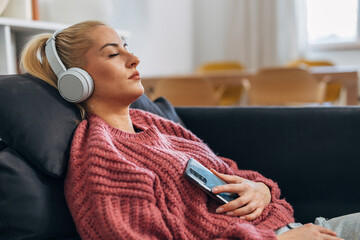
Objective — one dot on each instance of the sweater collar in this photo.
(146, 133)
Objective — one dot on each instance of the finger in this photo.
(232, 188)
(330, 237)
(233, 205)
(253, 215)
(327, 231)
(244, 211)
(227, 178)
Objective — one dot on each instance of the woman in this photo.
(125, 177)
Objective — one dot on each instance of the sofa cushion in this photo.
(37, 123)
(32, 204)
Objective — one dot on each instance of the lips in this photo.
(135, 76)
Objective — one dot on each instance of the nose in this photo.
(133, 61)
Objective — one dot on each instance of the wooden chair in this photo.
(231, 95)
(284, 86)
(188, 92)
(333, 89)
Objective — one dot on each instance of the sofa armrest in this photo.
(313, 153)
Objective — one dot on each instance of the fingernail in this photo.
(219, 210)
(230, 213)
(242, 217)
(215, 189)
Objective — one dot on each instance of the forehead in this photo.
(104, 34)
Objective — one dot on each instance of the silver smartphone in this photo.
(206, 180)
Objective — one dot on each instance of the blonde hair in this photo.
(71, 44)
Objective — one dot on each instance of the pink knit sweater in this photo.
(131, 186)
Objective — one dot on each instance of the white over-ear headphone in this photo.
(75, 84)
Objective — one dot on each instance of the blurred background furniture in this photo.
(285, 86)
(220, 66)
(345, 75)
(333, 89)
(310, 63)
(188, 92)
(232, 94)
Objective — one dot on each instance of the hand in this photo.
(254, 196)
(310, 232)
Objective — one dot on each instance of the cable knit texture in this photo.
(123, 185)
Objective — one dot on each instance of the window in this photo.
(333, 23)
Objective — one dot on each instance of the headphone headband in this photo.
(52, 56)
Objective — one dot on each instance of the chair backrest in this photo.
(231, 95)
(187, 92)
(333, 89)
(285, 86)
(310, 63)
(220, 66)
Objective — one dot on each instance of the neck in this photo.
(119, 119)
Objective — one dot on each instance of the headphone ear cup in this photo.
(75, 85)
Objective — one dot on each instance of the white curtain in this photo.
(263, 33)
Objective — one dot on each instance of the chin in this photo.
(140, 91)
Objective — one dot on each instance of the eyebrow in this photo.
(109, 44)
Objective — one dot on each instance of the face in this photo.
(113, 69)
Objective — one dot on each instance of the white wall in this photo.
(71, 12)
(247, 31)
(161, 33)
(210, 30)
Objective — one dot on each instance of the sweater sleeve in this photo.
(113, 199)
(246, 231)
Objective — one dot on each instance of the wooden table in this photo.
(346, 75)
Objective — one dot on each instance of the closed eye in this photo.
(114, 55)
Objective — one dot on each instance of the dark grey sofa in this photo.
(313, 154)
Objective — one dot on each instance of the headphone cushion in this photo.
(75, 85)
